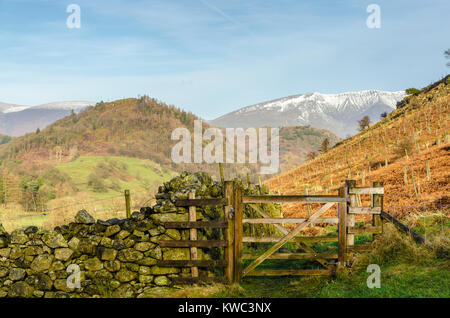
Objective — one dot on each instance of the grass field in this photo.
(104, 201)
(117, 173)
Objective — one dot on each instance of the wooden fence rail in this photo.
(402, 227)
(348, 202)
(193, 243)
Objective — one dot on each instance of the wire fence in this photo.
(65, 210)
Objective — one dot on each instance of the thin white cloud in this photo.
(223, 14)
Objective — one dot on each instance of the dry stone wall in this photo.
(113, 258)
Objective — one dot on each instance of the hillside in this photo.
(139, 128)
(96, 153)
(296, 142)
(136, 128)
(397, 151)
(336, 112)
(83, 153)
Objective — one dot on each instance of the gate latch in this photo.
(231, 214)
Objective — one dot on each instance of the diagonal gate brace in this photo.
(305, 247)
(286, 239)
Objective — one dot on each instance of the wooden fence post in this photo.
(377, 201)
(237, 234)
(229, 232)
(127, 203)
(193, 234)
(222, 178)
(342, 226)
(351, 217)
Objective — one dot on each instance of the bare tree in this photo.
(364, 123)
(311, 155)
(447, 55)
(325, 145)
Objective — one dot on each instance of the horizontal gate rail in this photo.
(292, 198)
(196, 225)
(299, 272)
(192, 263)
(298, 239)
(198, 202)
(200, 279)
(371, 190)
(365, 210)
(193, 243)
(294, 256)
(287, 220)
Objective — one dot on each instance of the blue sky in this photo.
(214, 56)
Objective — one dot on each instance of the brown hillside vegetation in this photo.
(399, 150)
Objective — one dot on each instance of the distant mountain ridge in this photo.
(67, 105)
(336, 112)
(17, 120)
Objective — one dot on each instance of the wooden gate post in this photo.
(229, 232)
(351, 217)
(342, 226)
(237, 233)
(377, 201)
(193, 234)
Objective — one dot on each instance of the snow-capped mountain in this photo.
(17, 120)
(5, 107)
(75, 105)
(336, 112)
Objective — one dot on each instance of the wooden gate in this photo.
(349, 205)
(193, 243)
